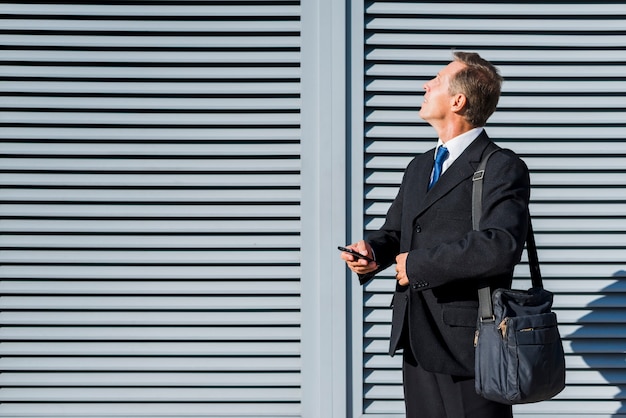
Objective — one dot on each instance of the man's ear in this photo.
(459, 101)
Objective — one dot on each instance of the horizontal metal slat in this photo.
(486, 9)
(226, 285)
(132, 103)
(384, 392)
(144, 303)
(384, 377)
(255, 242)
(578, 179)
(153, 87)
(593, 331)
(145, 73)
(382, 362)
(580, 224)
(240, 279)
(154, 257)
(494, 24)
(600, 304)
(155, 409)
(156, 57)
(128, 348)
(581, 209)
(444, 40)
(594, 321)
(232, 380)
(152, 195)
(140, 41)
(208, 24)
(152, 180)
(257, 394)
(161, 150)
(599, 287)
(591, 162)
(383, 407)
(151, 226)
(51, 10)
(137, 333)
(277, 210)
(134, 318)
(117, 118)
(582, 407)
(151, 364)
(497, 55)
(177, 137)
(151, 165)
(522, 412)
(593, 354)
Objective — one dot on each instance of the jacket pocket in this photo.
(457, 316)
(457, 215)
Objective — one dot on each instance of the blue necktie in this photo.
(442, 155)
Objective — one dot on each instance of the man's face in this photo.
(437, 99)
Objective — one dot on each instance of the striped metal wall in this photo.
(150, 218)
(563, 109)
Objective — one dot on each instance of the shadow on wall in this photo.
(601, 344)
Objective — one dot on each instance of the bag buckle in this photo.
(488, 319)
(478, 175)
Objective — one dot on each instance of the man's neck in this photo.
(449, 131)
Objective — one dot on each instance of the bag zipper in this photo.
(503, 325)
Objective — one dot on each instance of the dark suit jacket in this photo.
(446, 257)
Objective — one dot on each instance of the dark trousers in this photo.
(434, 395)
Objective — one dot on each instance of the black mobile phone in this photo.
(356, 254)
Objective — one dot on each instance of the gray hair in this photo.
(481, 83)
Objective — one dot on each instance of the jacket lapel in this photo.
(462, 168)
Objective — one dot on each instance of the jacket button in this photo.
(418, 228)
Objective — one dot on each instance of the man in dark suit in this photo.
(439, 258)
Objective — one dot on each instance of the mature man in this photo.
(439, 258)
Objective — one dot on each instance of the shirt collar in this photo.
(458, 144)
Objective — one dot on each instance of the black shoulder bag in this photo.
(519, 352)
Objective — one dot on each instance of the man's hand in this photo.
(401, 277)
(360, 265)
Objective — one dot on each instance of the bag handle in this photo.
(485, 308)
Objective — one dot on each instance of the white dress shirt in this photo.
(457, 145)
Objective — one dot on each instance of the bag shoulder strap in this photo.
(485, 309)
